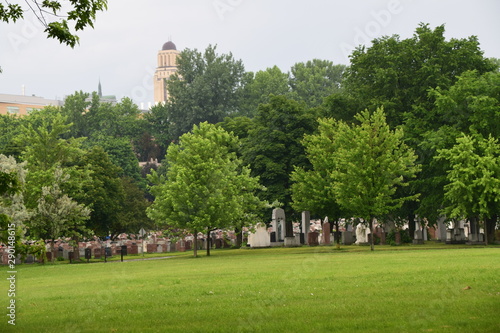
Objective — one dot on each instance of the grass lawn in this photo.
(394, 289)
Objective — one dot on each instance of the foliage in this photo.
(46, 150)
(472, 104)
(259, 87)
(473, 188)
(103, 193)
(273, 146)
(370, 163)
(312, 189)
(206, 187)
(206, 87)
(10, 125)
(57, 215)
(397, 74)
(56, 19)
(314, 80)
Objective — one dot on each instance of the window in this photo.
(13, 109)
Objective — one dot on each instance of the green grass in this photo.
(394, 289)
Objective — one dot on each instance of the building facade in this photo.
(167, 65)
(23, 105)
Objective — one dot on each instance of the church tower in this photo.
(167, 65)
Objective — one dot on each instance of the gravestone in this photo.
(312, 238)
(347, 236)
(418, 237)
(97, 253)
(457, 234)
(29, 259)
(134, 249)
(306, 225)
(152, 248)
(259, 238)
(218, 243)
(441, 229)
(278, 224)
(326, 233)
(362, 233)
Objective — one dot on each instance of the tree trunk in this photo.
(208, 242)
(52, 250)
(239, 237)
(489, 229)
(371, 233)
(411, 225)
(337, 234)
(195, 244)
(76, 250)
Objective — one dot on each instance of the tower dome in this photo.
(168, 46)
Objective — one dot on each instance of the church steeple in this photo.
(99, 89)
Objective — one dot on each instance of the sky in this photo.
(121, 50)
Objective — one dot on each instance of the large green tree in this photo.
(473, 181)
(57, 215)
(206, 187)
(314, 80)
(370, 162)
(312, 189)
(398, 75)
(259, 87)
(273, 146)
(206, 87)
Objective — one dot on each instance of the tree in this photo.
(314, 80)
(206, 187)
(57, 215)
(472, 104)
(10, 125)
(371, 162)
(273, 146)
(121, 153)
(259, 87)
(206, 87)
(55, 18)
(312, 189)
(46, 150)
(473, 188)
(103, 192)
(12, 208)
(397, 74)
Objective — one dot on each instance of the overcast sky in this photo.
(121, 50)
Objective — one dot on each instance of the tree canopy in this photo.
(205, 187)
(371, 162)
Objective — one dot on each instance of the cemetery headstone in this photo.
(312, 238)
(259, 238)
(306, 224)
(278, 224)
(362, 233)
(326, 233)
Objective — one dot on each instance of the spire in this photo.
(99, 89)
